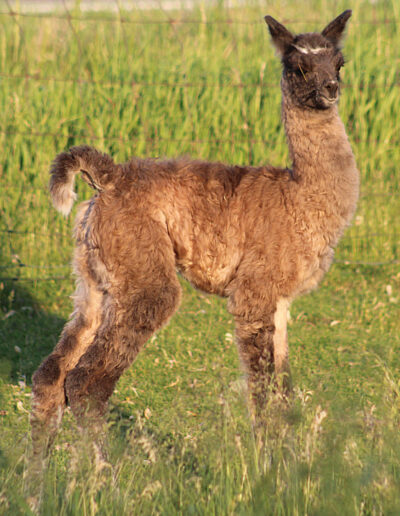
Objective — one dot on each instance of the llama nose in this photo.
(331, 88)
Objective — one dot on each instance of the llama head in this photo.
(311, 62)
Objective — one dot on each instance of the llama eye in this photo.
(301, 72)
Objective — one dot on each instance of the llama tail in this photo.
(97, 170)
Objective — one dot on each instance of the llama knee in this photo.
(48, 397)
(255, 345)
(76, 391)
(48, 379)
(89, 390)
(48, 373)
(76, 383)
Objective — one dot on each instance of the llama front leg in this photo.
(263, 350)
(280, 345)
(256, 352)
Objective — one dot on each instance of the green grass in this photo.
(180, 437)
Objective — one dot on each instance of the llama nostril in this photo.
(332, 88)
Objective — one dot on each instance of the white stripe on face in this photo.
(309, 50)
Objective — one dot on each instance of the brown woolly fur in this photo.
(259, 236)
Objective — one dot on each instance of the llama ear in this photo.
(334, 30)
(281, 37)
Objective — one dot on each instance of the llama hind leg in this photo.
(127, 325)
(48, 394)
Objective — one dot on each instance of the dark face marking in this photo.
(312, 71)
(311, 62)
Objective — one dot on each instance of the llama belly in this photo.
(207, 256)
(210, 272)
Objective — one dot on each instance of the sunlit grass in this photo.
(180, 437)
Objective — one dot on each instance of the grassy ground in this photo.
(180, 441)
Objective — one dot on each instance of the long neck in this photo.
(322, 160)
(317, 141)
(324, 167)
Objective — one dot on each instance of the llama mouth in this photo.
(329, 100)
(317, 100)
(320, 101)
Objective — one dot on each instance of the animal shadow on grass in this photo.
(27, 332)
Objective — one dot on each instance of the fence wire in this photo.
(13, 270)
(67, 15)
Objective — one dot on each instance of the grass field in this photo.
(180, 438)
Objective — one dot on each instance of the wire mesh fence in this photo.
(39, 249)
